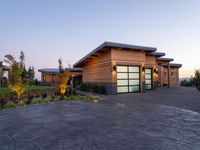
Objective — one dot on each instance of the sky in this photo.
(47, 30)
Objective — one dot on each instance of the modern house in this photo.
(49, 76)
(123, 68)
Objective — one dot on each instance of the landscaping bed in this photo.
(47, 99)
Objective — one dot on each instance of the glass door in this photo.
(148, 79)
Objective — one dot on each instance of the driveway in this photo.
(124, 122)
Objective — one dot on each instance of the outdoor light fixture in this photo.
(143, 68)
(114, 68)
(155, 70)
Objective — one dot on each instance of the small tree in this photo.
(197, 78)
(62, 79)
(15, 80)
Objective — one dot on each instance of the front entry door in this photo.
(148, 79)
(128, 79)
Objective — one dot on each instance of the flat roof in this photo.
(165, 59)
(157, 54)
(116, 45)
(172, 65)
(49, 70)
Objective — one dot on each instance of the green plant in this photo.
(9, 104)
(50, 98)
(94, 98)
(20, 103)
(92, 88)
(101, 89)
(36, 100)
(62, 79)
(16, 82)
(197, 79)
(46, 100)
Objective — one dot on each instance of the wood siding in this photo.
(174, 76)
(98, 70)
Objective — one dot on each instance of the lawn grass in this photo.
(5, 90)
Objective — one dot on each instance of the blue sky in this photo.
(49, 29)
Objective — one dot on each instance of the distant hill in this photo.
(187, 79)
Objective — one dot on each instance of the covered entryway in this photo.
(148, 79)
(128, 79)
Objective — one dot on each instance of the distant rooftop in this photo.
(56, 70)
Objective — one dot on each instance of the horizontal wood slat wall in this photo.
(98, 69)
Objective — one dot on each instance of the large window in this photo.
(128, 79)
(148, 78)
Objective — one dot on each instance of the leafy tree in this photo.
(31, 73)
(62, 79)
(197, 78)
(15, 81)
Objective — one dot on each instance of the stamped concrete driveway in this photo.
(124, 122)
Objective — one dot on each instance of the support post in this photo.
(168, 75)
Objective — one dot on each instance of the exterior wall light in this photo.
(143, 69)
(155, 70)
(114, 68)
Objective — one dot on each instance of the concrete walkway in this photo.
(125, 122)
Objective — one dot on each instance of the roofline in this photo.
(57, 70)
(158, 54)
(118, 45)
(165, 59)
(172, 65)
(41, 70)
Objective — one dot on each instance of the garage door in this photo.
(128, 79)
(148, 79)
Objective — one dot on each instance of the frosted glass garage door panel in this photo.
(148, 87)
(122, 76)
(122, 69)
(134, 88)
(134, 69)
(122, 89)
(134, 75)
(147, 70)
(148, 76)
(122, 82)
(134, 82)
(148, 81)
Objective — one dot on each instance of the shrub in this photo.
(20, 103)
(46, 100)
(81, 97)
(94, 97)
(92, 88)
(36, 100)
(49, 98)
(9, 104)
(44, 95)
(101, 89)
